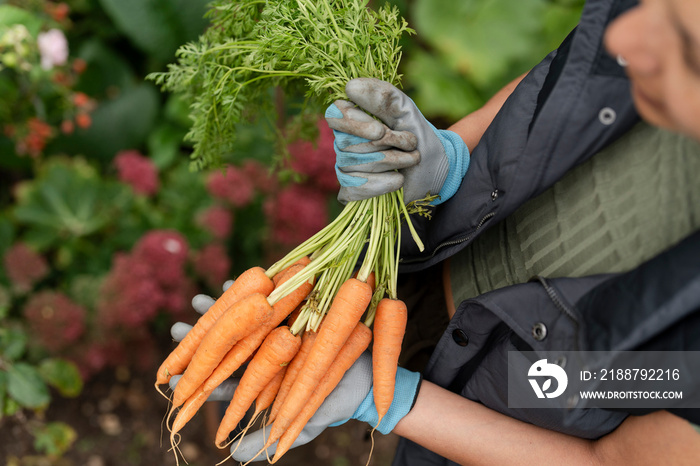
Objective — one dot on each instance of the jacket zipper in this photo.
(449, 243)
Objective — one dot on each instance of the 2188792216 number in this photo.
(640, 374)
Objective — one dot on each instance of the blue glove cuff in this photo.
(405, 392)
(457, 155)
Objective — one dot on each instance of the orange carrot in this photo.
(249, 282)
(188, 410)
(276, 351)
(357, 343)
(306, 260)
(389, 329)
(268, 394)
(371, 279)
(242, 351)
(247, 346)
(239, 321)
(289, 303)
(307, 340)
(348, 306)
(198, 398)
(266, 397)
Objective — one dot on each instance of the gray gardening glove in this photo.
(201, 303)
(403, 149)
(351, 399)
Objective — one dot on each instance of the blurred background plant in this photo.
(106, 233)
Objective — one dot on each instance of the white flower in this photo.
(15, 36)
(173, 246)
(53, 48)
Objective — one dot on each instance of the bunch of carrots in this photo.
(303, 322)
(300, 325)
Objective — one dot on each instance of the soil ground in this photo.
(118, 419)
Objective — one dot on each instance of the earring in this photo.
(621, 61)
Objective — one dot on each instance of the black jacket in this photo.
(569, 107)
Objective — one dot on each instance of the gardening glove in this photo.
(351, 399)
(201, 303)
(403, 149)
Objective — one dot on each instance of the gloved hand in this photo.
(369, 152)
(201, 303)
(351, 399)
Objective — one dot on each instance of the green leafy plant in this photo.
(71, 203)
(468, 50)
(253, 47)
(25, 383)
(54, 438)
(157, 27)
(91, 210)
(37, 80)
(66, 211)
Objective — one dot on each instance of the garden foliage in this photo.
(105, 231)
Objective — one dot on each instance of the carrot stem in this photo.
(317, 241)
(374, 237)
(334, 250)
(411, 228)
(330, 281)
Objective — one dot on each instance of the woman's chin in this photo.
(652, 112)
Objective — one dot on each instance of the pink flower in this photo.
(296, 214)
(165, 252)
(55, 319)
(53, 48)
(137, 171)
(218, 220)
(233, 186)
(316, 160)
(178, 297)
(130, 295)
(24, 267)
(212, 264)
(149, 279)
(263, 179)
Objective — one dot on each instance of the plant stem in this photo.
(336, 249)
(414, 234)
(317, 241)
(375, 235)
